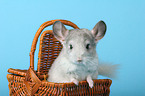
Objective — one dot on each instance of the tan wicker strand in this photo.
(17, 71)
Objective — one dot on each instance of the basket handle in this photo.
(44, 25)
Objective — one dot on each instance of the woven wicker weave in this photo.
(33, 83)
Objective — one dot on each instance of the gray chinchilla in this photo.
(78, 59)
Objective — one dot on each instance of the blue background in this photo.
(124, 42)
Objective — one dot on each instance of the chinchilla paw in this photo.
(75, 82)
(90, 81)
(91, 84)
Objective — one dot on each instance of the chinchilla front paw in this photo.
(90, 81)
(91, 84)
(75, 81)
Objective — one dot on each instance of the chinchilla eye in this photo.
(87, 46)
(70, 46)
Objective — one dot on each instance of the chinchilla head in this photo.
(79, 45)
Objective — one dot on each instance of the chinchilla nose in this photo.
(79, 59)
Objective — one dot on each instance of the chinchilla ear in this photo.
(59, 31)
(99, 30)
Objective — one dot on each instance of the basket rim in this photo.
(81, 82)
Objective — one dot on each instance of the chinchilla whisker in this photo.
(90, 57)
(91, 61)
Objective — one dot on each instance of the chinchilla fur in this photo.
(78, 59)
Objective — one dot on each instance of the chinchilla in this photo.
(78, 59)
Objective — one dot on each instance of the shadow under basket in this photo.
(33, 82)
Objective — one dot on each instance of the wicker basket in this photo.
(32, 83)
